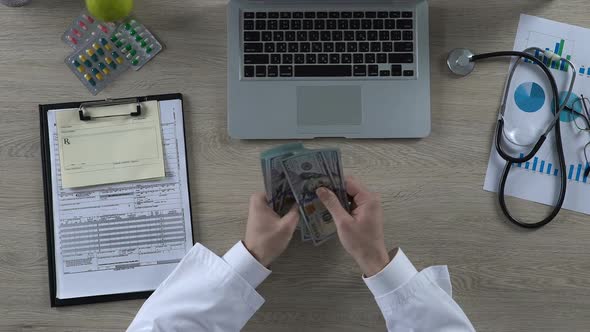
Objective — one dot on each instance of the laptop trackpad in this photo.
(329, 106)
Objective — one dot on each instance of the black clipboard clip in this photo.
(109, 102)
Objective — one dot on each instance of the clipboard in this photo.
(48, 182)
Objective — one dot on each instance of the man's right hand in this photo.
(361, 231)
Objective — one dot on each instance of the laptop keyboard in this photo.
(357, 44)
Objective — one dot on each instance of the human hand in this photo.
(267, 234)
(361, 231)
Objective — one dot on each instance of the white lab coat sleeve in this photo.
(205, 293)
(416, 301)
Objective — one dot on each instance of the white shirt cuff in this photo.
(399, 271)
(248, 267)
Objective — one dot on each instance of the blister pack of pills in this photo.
(97, 63)
(136, 42)
(84, 28)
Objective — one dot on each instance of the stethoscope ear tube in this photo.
(510, 158)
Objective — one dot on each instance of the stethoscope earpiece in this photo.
(459, 61)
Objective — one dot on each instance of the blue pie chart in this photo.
(529, 97)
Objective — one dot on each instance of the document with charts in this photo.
(125, 237)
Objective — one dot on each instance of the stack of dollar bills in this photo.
(292, 174)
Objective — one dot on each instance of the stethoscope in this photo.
(462, 61)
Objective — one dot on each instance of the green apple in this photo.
(109, 10)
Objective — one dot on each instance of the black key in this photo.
(260, 71)
(408, 35)
(403, 47)
(331, 24)
(408, 73)
(248, 15)
(328, 47)
(366, 24)
(334, 15)
(375, 47)
(311, 58)
(358, 58)
(396, 70)
(248, 71)
(383, 14)
(307, 25)
(285, 71)
(296, 24)
(285, 14)
(396, 35)
(284, 24)
(323, 71)
(369, 58)
(371, 14)
(334, 58)
(346, 14)
(383, 35)
(316, 47)
(372, 35)
(364, 47)
(355, 24)
(272, 25)
(251, 36)
(260, 25)
(273, 15)
(404, 24)
(342, 24)
(293, 47)
(358, 14)
(290, 35)
(309, 15)
(281, 47)
(314, 36)
(381, 73)
(248, 25)
(288, 59)
(389, 24)
(361, 35)
(336, 35)
(322, 14)
(299, 58)
(341, 47)
(325, 35)
(266, 36)
(346, 58)
(406, 14)
(349, 35)
(381, 58)
(351, 47)
(256, 59)
(378, 24)
(278, 36)
(373, 70)
(305, 47)
(323, 58)
(401, 58)
(298, 15)
(360, 70)
(269, 47)
(387, 47)
(261, 15)
(253, 47)
(319, 24)
(275, 59)
(395, 14)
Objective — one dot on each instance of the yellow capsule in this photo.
(82, 57)
(87, 77)
(90, 52)
(108, 47)
(119, 60)
(80, 69)
(108, 60)
(96, 46)
(106, 71)
(99, 77)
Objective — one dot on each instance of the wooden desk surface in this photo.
(506, 279)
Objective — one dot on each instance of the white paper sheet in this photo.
(536, 180)
(124, 237)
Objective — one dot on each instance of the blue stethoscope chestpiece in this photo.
(459, 61)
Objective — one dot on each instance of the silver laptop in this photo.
(306, 69)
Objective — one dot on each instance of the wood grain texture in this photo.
(506, 279)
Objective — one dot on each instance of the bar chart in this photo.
(558, 46)
(574, 172)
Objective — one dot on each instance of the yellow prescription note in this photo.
(112, 149)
